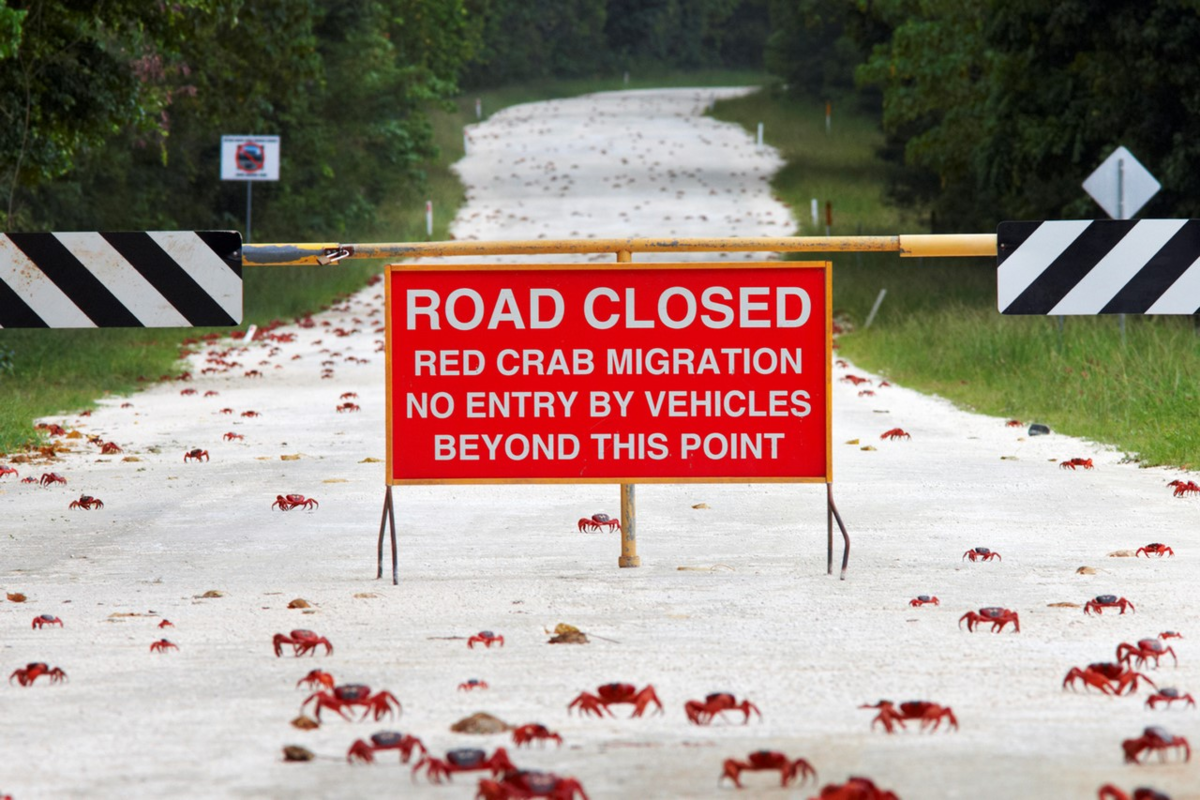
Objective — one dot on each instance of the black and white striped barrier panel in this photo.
(1149, 266)
(151, 279)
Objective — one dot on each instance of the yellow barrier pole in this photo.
(629, 556)
(907, 245)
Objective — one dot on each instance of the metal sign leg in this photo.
(388, 519)
(832, 515)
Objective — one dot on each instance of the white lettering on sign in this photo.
(677, 307)
(513, 446)
(465, 309)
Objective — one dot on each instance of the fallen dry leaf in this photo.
(335, 480)
(713, 568)
(1008, 458)
(852, 441)
(370, 460)
(305, 723)
(867, 447)
(570, 637)
(263, 458)
(1062, 605)
(1085, 571)
(700, 505)
(365, 595)
(212, 593)
(1121, 554)
(299, 602)
(480, 722)
(122, 614)
(294, 457)
(74, 435)
(16, 597)
(131, 458)
(293, 752)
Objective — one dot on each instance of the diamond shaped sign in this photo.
(1121, 185)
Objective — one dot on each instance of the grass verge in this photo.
(46, 372)
(938, 329)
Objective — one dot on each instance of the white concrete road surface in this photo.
(732, 596)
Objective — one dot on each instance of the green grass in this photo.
(46, 372)
(938, 329)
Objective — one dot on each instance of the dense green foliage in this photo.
(998, 109)
(114, 111)
(937, 329)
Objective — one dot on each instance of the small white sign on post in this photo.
(1121, 185)
(249, 158)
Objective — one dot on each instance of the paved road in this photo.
(751, 612)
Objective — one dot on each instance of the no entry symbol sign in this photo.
(250, 156)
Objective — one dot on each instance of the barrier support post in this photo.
(388, 519)
(629, 556)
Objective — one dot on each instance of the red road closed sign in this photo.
(626, 373)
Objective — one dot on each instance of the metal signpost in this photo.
(249, 159)
(1121, 185)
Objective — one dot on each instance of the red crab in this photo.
(166, 623)
(385, 740)
(126, 405)
(855, 380)
(1146, 649)
(353, 694)
(251, 414)
(1154, 738)
(212, 393)
(999, 617)
(163, 645)
(1169, 695)
(86, 502)
(841, 362)
(348, 407)
(703, 712)
(288, 502)
(35, 670)
(1155, 549)
(1106, 676)
(981, 554)
(302, 642)
(855, 789)
(8, 471)
(464, 759)
(524, 783)
(1170, 635)
(1184, 488)
(472, 683)
(1103, 601)
(52, 477)
(922, 599)
(1110, 792)
(486, 638)
(1071, 464)
(197, 454)
(866, 393)
(760, 760)
(187, 392)
(534, 731)
(349, 396)
(615, 694)
(1014, 423)
(110, 449)
(930, 714)
(252, 374)
(598, 521)
(895, 433)
(46, 619)
(231, 436)
(314, 679)
(226, 410)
